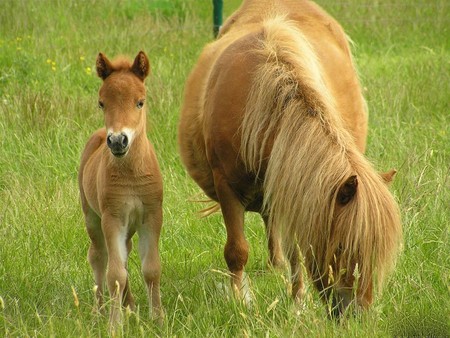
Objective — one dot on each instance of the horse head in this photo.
(357, 252)
(122, 99)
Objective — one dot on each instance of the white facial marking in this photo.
(127, 131)
(130, 134)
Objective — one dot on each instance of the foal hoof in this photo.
(298, 295)
(157, 316)
(276, 263)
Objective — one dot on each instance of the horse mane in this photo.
(312, 154)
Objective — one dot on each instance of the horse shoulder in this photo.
(190, 135)
(87, 175)
(94, 143)
(228, 86)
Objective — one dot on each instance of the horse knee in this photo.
(151, 272)
(365, 297)
(116, 278)
(236, 255)
(97, 256)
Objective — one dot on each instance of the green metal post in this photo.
(217, 16)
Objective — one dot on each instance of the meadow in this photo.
(48, 109)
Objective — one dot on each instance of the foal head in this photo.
(365, 235)
(122, 98)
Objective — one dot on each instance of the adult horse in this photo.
(274, 121)
(121, 187)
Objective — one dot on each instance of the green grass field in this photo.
(48, 109)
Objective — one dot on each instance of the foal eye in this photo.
(140, 104)
(101, 105)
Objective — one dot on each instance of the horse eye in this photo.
(101, 105)
(140, 104)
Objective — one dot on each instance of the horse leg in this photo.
(151, 265)
(97, 255)
(274, 244)
(128, 299)
(116, 275)
(236, 247)
(298, 289)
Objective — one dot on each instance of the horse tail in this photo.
(212, 208)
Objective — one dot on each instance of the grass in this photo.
(48, 95)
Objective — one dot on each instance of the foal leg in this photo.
(128, 299)
(150, 261)
(116, 275)
(274, 244)
(236, 247)
(97, 254)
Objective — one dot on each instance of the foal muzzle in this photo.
(118, 143)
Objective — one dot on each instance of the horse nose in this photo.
(117, 143)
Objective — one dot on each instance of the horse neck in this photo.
(291, 112)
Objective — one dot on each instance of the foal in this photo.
(121, 187)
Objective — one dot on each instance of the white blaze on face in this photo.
(127, 131)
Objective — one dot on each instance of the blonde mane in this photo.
(291, 110)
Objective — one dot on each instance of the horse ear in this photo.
(104, 66)
(348, 190)
(388, 177)
(141, 66)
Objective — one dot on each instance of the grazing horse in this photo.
(121, 187)
(274, 122)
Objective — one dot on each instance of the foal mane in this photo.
(121, 63)
(291, 109)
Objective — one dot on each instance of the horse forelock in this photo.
(312, 154)
(121, 63)
(369, 228)
(122, 80)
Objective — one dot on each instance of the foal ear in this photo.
(347, 191)
(141, 66)
(388, 177)
(104, 66)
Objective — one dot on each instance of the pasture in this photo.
(48, 109)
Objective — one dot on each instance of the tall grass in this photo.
(48, 95)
